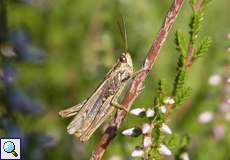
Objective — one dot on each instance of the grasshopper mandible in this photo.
(92, 112)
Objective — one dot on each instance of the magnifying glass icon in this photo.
(9, 147)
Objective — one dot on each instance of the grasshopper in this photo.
(92, 112)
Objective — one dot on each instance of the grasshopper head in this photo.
(126, 59)
(126, 65)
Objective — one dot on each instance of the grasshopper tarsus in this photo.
(138, 72)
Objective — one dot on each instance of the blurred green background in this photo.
(81, 41)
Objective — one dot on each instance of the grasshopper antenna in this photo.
(123, 32)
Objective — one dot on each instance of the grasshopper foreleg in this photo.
(137, 72)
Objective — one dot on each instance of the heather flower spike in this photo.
(150, 113)
(138, 111)
(137, 152)
(214, 79)
(228, 36)
(146, 128)
(228, 80)
(147, 142)
(164, 150)
(227, 117)
(184, 156)
(162, 109)
(206, 117)
(134, 132)
(169, 100)
(165, 128)
(228, 101)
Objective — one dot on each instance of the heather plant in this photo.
(158, 138)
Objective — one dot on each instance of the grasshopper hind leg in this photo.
(72, 110)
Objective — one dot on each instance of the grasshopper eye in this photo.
(123, 58)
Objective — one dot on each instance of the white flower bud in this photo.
(228, 49)
(164, 150)
(218, 131)
(150, 113)
(128, 132)
(132, 132)
(228, 101)
(137, 111)
(227, 116)
(214, 79)
(115, 157)
(184, 156)
(228, 80)
(228, 36)
(146, 128)
(147, 142)
(206, 117)
(137, 152)
(169, 100)
(165, 128)
(162, 109)
(224, 107)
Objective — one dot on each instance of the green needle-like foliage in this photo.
(197, 18)
(180, 75)
(162, 91)
(202, 48)
(180, 43)
(195, 26)
(181, 96)
(180, 92)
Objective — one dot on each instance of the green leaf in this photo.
(195, 25)
(192, 2)
(205, 3)
(180, 42)
(197, 18)
(162, 91)
(180, 75)
(202, 48)
(182, 95)
(177, 141)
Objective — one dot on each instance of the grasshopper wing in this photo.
(88, 110)
(104, 113)
(72, 110)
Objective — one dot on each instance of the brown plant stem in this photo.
(188, 62)
(137, 82)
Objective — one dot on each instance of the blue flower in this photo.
(8, 74)
(24, 49)
(17, 100)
